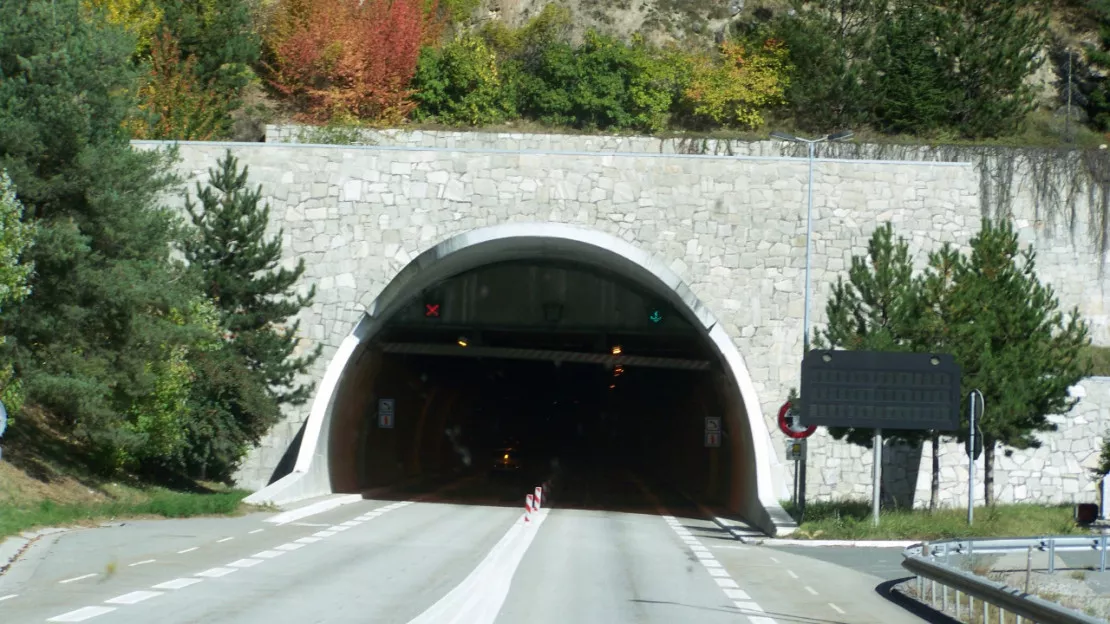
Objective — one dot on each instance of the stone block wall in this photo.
(732, 228)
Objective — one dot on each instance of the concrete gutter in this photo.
(14, 547)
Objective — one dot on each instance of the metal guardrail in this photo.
(929, 561)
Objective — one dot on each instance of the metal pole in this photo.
(971, 462)
(877, 475)
(802, 462)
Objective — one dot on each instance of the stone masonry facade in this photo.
(732, 227)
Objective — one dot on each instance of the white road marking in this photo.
(269, 554)
(718, 572)
(78, 578)
(215, 572)
(308, 540)
(711, 563)
(139, 563)
(791, 573)
(737, 594)
(339, 528)
(289, 546)
(837, 609)
(313, 509)
(133, 597)
(226, 539)
(244, 563)
(187, 550)
(311, 524)
(255, 531)
(323, 534)
(811, 590)
(82, 614)
(747, 605)
(179, 583)
(8, 597)
(759, 619)
(726, 582)
(730, 547)
(482, 593)
(775, 560)
(351, 523)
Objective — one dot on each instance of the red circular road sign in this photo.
(788, 423)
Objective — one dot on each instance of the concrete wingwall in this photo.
(731, 226)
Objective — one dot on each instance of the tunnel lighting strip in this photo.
(543, 354)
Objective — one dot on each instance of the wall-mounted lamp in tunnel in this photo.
(463, 341)
(616, 349)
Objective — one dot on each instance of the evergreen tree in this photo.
(991, 47)
(879, 308)
(912, 91)
(1098, 101)
(1012, 342)
(104, 281)
(240, 272)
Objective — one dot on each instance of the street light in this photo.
(810, 143)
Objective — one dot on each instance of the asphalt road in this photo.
(653, 560)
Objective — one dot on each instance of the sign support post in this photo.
(972, 454)
(877, 475)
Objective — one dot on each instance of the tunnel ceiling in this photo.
(549, 304)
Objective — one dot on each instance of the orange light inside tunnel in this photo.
(506, 455)
(463, 341)
(618, 370)
(616, 349)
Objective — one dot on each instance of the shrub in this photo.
(172, 102)
(348, 57)
(736, 88)
(461, 83)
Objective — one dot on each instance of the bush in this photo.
(172, 102)
(461, 83)
(737, 88)
(346, 57)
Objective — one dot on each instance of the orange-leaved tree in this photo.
(738, 86)
(348, 58)
(173, 104)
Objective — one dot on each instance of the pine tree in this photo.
(1012, 342)
(1098, 102)
(912, 92)
(240, 272)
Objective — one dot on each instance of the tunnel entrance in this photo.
(572, 347)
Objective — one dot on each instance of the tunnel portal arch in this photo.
(757, 475)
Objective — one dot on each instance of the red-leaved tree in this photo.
(349, 58)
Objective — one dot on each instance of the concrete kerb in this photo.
(745, 534)
(15, 546)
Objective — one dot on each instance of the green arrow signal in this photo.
(655, 317)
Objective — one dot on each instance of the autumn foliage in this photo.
(173, 104)
(349, 58)
(737, 88)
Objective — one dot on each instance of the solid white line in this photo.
(139, 563)
(289, 546)
(215, 572)
(811, 590)
(179, 583)
(244, 563)
(791, 573)
(78, 578)
(133, 597)
(8, 597)
(480, 596)
(226, 539)
(313, 509)
(838, 609)
(269, 554)
(187, 550)
(82, 614)
(255, 531)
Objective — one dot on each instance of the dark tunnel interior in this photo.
(509, 375)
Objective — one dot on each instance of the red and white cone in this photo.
(528, 509)
(538, 497)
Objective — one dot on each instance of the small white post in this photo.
(877, 475)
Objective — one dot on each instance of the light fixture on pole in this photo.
(811, 144)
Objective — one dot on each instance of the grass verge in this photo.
(851, 520)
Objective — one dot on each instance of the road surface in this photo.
(649, 559)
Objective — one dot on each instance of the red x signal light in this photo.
(431, 310)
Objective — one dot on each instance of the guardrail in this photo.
(930, 561)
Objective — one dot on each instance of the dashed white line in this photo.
(339, 528)
(187, 550)
(759, 619)
(82, 614)
(226, 539)
(718, 572)
(77, 578)
(308, 540)
(178, 583)
(747, 605)
(775, 560)
(837, 609)
(215, 572)
(133, 597)
(139, 563)
(737, 594)
(255, 531)
(323, 534)
(8, 597)
(268, 554)
(726, 582)
(244, 563)
(288, 547)
(811, 590)
(791, 573)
